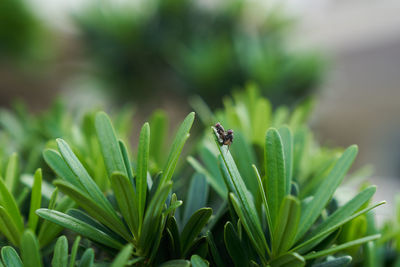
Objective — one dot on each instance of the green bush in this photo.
(194, 49)
(267, 200)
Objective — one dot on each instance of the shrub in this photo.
(131, 45)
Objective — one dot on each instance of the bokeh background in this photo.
(158, 54)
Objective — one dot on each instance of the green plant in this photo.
(29, 134)
(130, 44)
(140, 199)
(287, 209)
(287, 222)
(15, 218)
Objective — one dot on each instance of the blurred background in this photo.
(161, 53)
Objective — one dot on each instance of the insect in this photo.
(224, 137)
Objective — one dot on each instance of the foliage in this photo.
(139, 198)
(131, 44)
(286, 213)
(272, 194)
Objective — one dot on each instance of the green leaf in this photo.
(36, 198)
(287, 141)
(84, 217)
(89, 185)
(246, 209)
(341, 214)
(310, 242)
(275, 182)
(324, 193)
(249, 224)
(79, 227)
(60, 167)
(87, 259)
(175, 241)
(196, 196)
(176, 263)
(213, 250)
(123, 256)
(141, 175)
(127, 161)
(30, 250)
(193, 228)
(335, 262)
(95, 209)
(288, 260)
(60, 256)
(74, 251)
(8, 227)
(10, 257)
(12, 173)
(197, 261)
(285, 231)
(234, 246)
(123, 191)
(8, 202)
(340, 247)
(159, 126)
(152, 217)
(180, 138)
(264, 199)
(109, 145)
(48, 230)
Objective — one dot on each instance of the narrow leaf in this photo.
(336, 262)
(95, 209)
(309, 242)
(246, 209)
(90, 186)
(74, 251)
(326, 190)
(214, 251)
(176, 263)
(152, 215)
(275, 182)
(79, 227)
(127, 162)
(36, 198)
(109, 144)
(87, 259)
(7, 201)
(30, 250)
(8, 227)
(142, 165)
(180, 138)
(12, 173)
(342, 213)
(335, 249)
(60, 256)
(123, 256)
(234, 246)
(10, 257)
(197, 261)
(288, 260)
(196, 196)
(287, 141)
(60, 167)
(127, 204)
(285, 231)
(193, 228)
